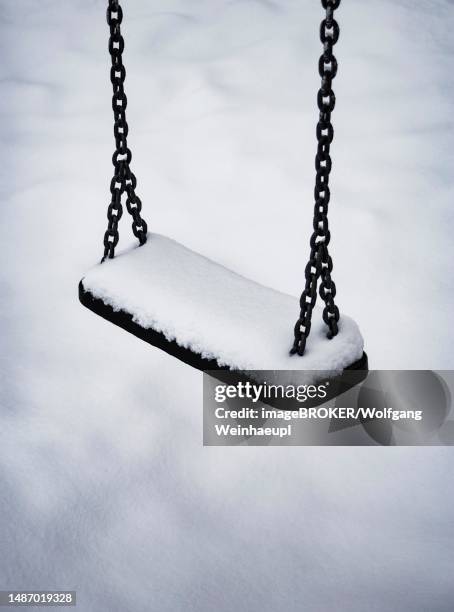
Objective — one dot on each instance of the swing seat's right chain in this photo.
(320, 264)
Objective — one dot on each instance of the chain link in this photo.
(320, 264)
(123, 181)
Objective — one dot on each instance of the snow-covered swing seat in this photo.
(199, 311)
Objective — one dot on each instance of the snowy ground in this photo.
(105, 487)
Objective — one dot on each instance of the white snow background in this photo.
(105, 486)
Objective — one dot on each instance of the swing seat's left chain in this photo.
(124, 180)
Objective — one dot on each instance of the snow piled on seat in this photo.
(215, 312)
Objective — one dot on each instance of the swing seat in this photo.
(210, 317)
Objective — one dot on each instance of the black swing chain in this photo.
(320, 264)
(123, 179)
